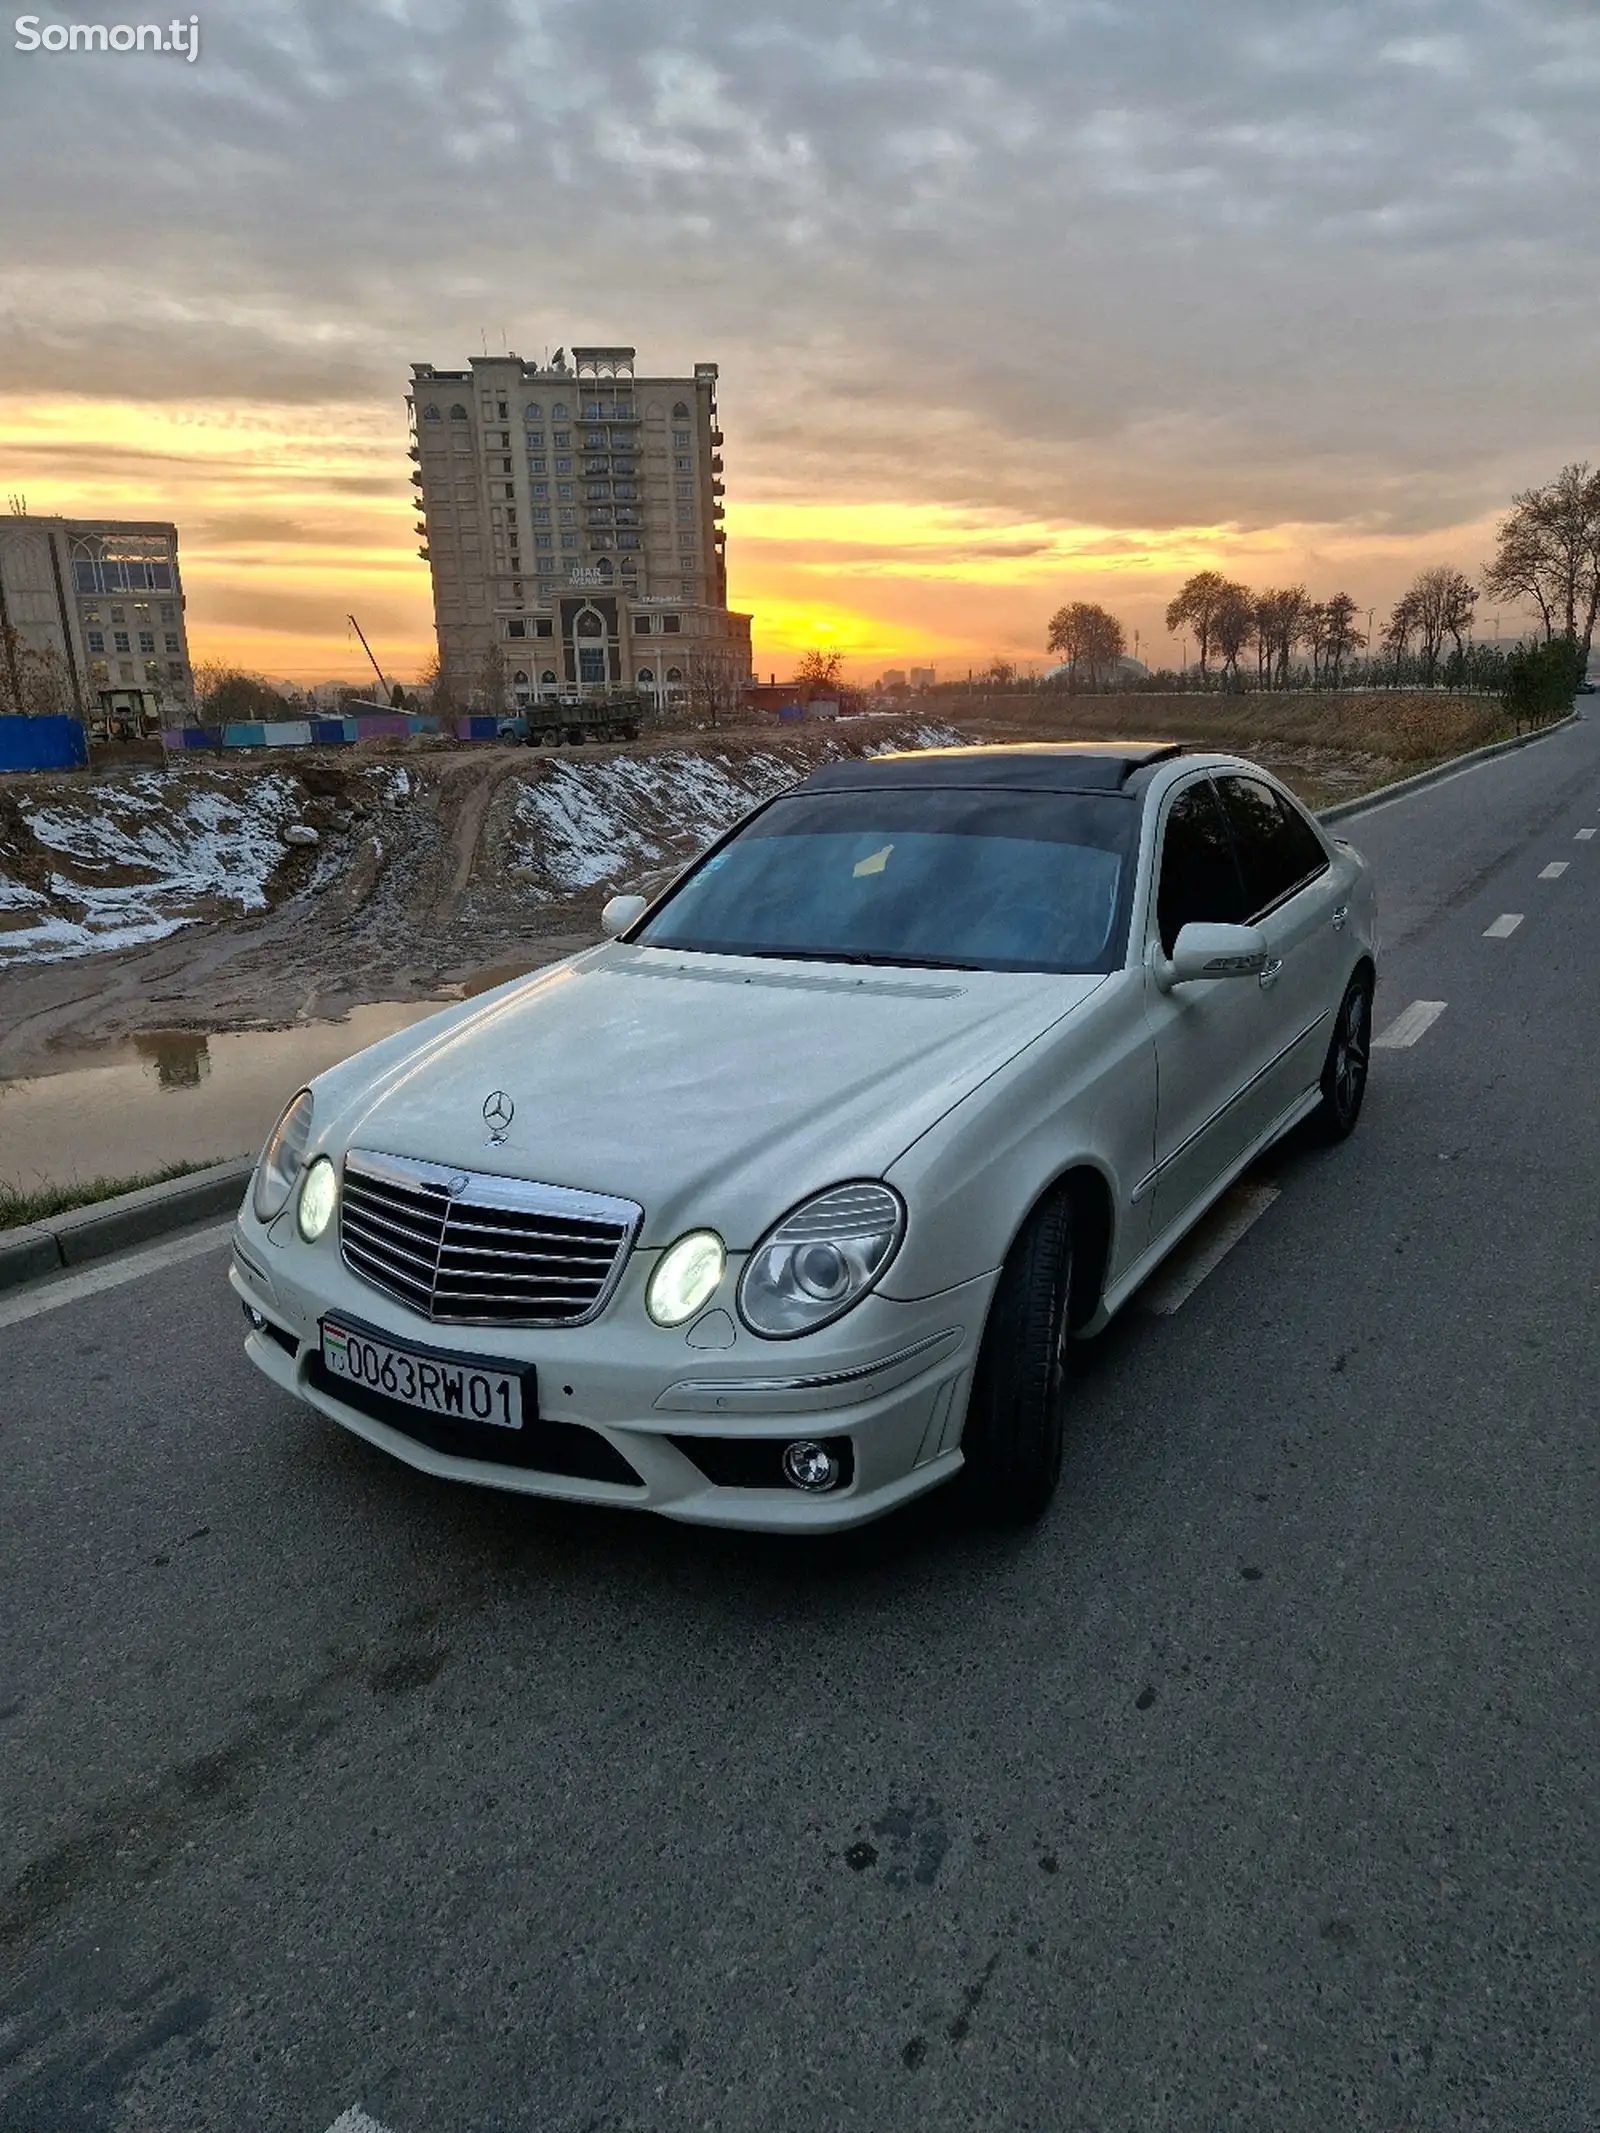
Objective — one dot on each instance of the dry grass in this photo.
(1325, 744)
(19, 1206)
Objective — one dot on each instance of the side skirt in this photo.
(1175, 1232)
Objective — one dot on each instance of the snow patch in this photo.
(585, 824)
(138, 856)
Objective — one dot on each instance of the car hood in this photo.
(710, 1089)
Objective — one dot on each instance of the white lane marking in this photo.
(1554, 871)
(1204, 1251)
(1504, 926)
(1584, 836)
(50, 1295)
(355, 2120)
(1405, 1029)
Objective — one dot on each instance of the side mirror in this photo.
(1206, 951)
(620, 913)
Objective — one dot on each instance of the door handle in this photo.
(1340, 915)
(1271, 971)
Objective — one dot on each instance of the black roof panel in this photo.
(1031, 766)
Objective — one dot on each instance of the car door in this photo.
(1209, 1035)
(1290, 892)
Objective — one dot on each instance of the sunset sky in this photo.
(1014, 304)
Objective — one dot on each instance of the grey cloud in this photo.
(1133, 264)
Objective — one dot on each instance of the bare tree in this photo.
(488, 693)
(1547, 554)
(818, 672)
(999, 674)
(1091, 639)
(1314, 635)
(1438, 604)
(1341, 637)
(1233, 627)
(1279, 617)
(1195, 607)
(712, 693)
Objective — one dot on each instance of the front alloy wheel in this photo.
(1344, 1073)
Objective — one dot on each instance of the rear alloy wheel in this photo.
(1016, 1423)
(1344, 1072)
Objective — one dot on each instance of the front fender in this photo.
(1082, 1096)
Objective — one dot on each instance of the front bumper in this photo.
(890, 1377)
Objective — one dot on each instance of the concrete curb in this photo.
(112, 1225)
(1343, 809)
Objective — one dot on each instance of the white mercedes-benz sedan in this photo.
(786, 1203)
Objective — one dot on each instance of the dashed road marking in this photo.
(1504, 926)
(355, 2120)
(51, 1294)
(1405, 1029)
(1554, 871)
(1204, 1250)
(1584, 836)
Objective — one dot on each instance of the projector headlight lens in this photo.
(686, 1276)
(319, 1199)
(820, 1260)
(282, 1159)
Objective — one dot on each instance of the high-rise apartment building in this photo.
(105, 597)
(572, 521)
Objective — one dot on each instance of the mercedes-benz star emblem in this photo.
(498, 1112)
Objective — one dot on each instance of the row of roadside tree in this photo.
(1546, 561)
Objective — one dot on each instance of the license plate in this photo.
(457, 1392)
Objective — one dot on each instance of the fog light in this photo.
(808, 1466)
(319, 1196)
(257, 1322)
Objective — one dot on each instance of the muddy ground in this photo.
(435, 872)
(439, 869)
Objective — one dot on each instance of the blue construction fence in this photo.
(298, 732)
(336, 732)
(42, 744)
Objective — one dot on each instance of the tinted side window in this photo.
(1277, 849)
(1199, 880)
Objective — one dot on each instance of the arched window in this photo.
(548, 677)
(520, 678)
(430, 414)
(647, 677)
(589, 624)
(458, 413)
(680, 412)
(558, 413)
(533, 412)
(674, 673)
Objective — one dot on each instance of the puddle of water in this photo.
(175, 1096)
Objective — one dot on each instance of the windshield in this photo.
(967, 880)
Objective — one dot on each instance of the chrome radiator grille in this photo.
(466, 1248)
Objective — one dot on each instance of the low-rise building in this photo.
(103, 600)
(572, 523)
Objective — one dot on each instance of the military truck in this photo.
(576, 719)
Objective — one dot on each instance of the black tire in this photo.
(1344, 1071)
(1016, 1422)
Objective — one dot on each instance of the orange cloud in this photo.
(292, 518)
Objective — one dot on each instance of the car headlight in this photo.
(820, 1260)
(282, 1159)
(319, 1197)
(686, 1276)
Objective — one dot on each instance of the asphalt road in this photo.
(1253, 1789)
